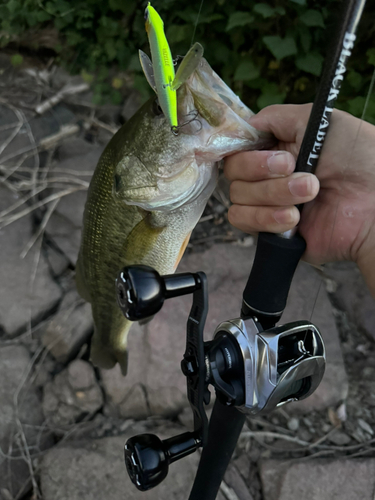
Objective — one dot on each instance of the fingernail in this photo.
(284, 216)
(280, 163)
(301, 186)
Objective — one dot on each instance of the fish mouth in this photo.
(141, 193)
(172, 192)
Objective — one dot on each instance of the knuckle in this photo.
(233, 191)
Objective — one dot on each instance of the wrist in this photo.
(366, 262)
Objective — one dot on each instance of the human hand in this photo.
(339, 222)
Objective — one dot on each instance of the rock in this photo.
(186, 417)
(365, 426)
(72, 394)
(319, 479)
(156, 349)
(293, 424)
(234, 480)
(69, 328)
(309, 300)
(65, 225)
(352, 295)
(57, 261)
(339, 438)
(38, 128)
(95, 469)
(24, 299)
(304, 435)
(15, 387)
(73, 147)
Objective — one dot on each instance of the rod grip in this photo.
(267, 288)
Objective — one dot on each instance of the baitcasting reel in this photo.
(252, 369)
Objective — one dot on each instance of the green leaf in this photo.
(306, 39)
(87, 77)
(357, 106)
(110, 48)
(13, 6)
(280, 47)
(134, 64)
(177, 33)
(354, 79)
(270, 95)
(125, 7)
(116, 97)
(371, 56)
(239, 19)
(311, 63)
(300, 2)
(312, 18)
(222, 52)
(266, 10)
(192, 17)
(16, 60)
(246, 70)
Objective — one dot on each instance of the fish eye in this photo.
(156, 108)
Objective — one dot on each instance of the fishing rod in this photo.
(253, 365)
(277, 256)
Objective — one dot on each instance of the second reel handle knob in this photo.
(147, 457)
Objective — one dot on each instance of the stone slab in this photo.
(18, 398)
(65, 225)
(352, 295)
(155, 384)
(318, 480)
(69, 328)
(88, 470)
(23, 298)
(309, 300)
(73, 394)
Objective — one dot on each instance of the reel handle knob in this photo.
(147, 457)
(141, 290)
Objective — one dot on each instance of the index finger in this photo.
(258, 165)
(286, 121)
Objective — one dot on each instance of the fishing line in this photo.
(196, 23)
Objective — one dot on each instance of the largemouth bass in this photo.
(148, 192)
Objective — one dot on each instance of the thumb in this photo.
(286, 121)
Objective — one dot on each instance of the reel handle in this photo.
(147, 457)
(141, 290)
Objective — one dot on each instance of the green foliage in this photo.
(16, 60)
(269, 52)
(281, 47)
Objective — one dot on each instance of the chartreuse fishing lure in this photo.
(160, 72)
(162, 64)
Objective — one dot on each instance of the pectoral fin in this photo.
(141, 241)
